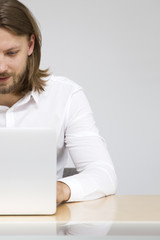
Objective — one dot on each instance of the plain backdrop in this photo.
(112, 49)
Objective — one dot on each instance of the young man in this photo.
(30, 97)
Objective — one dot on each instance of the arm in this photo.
(89, 153)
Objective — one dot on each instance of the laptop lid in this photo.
(27, 171)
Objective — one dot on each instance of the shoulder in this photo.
(62, 84)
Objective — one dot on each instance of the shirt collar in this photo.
(30, 95)
(35, 96)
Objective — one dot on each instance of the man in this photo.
(30, 97)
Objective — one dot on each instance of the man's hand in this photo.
(63, 192)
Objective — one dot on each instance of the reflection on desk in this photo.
(84, 229)
(51, 230)
(114, 217)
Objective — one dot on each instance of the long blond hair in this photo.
(18, 19)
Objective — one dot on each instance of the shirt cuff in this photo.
(77, 193)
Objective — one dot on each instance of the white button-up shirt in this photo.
(63, 105)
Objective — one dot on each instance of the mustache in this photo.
(5, 75)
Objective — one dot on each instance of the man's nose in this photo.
(3, 65)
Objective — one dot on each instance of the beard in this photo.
(16, 80)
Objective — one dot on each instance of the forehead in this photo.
(9, 40)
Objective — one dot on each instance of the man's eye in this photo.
(12, 53)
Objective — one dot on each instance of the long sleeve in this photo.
(96, 177)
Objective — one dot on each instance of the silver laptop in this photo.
(27, 171)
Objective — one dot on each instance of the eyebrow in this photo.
(13, 48)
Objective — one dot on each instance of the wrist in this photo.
(66, 192)
(63, 192)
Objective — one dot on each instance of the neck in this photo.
(9, 99)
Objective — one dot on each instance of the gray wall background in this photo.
(112, 49)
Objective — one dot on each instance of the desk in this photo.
(112, 216)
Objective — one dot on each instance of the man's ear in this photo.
(31, 43)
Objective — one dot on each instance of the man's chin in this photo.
(7, 89)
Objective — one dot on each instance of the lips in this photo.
(3, 79)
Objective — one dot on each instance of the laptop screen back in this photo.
(27, 171)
